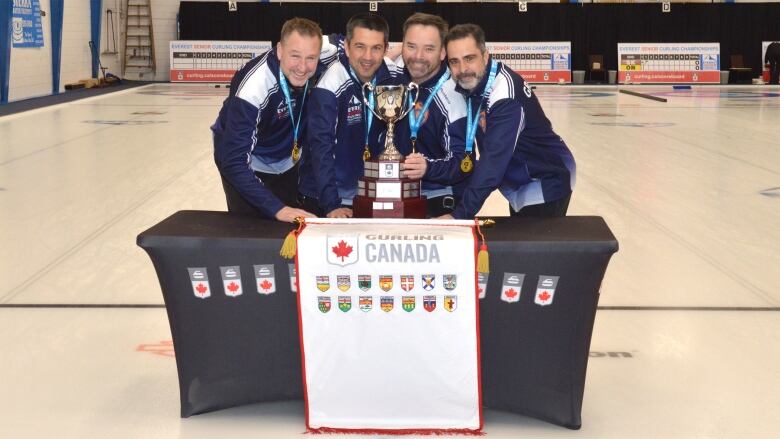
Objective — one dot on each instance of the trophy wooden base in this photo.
(364, 207)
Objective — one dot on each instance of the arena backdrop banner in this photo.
(211, 61)
(537, 61)
(389, 318)
(680, 63)
(26, 23)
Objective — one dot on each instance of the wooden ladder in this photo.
(139, 39)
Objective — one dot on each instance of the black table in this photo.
(232, 351)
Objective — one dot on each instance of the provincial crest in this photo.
(429, 281)
(386, 282)
(343, 282)
(408, 303)
(364, 282)
(450, 303)
(429, 303)
(323, 302)
(366, 303)
(345, 303)
(323, 283)
(407, 282)
(386, 303)
(450, 281)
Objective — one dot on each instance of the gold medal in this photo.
(296, 152)
(466, 165)
(366, 154)
(414, 144)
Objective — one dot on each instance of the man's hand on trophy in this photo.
(288, 214)
(415, 166)
(341, 212)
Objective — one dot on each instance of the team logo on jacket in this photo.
(282, 111)
(407, 282)
(354, 111)
(483, 120)
(408, 303)
(343, 282)
(323, 302)
(364, 282)
(450, 303)
(429, 281)
(323, 283)
(366, 303)
(386, 283)
(450, 281)
(417, 108)
(386, 303)
(342, 250)
(345, 303)
(429, 303)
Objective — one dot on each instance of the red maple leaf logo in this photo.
(511, 293)
(233, 287)
(266, 285)
(544, 297)
(342, 250)
(479, 290)
(201, 289)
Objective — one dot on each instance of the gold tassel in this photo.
(290, 244)
(483, 257)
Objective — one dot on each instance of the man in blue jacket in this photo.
(258, 134)
(436, 128)
(520, 154)
(341, 132)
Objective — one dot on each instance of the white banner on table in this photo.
(389, 320)
(212, 61)
(536, 61)
(694, 63)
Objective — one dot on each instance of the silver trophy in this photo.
(392, 105)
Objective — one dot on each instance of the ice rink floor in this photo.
(685, 342)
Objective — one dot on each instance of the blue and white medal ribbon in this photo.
(367, 113)
(472, 120)
(416, 122)
(296, 151)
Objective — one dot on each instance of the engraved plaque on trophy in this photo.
(382, 192)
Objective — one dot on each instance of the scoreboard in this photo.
(211, 61)
(695, 63)
(537, 61)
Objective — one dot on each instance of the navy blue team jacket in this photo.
(441, 137)
(520, 154)
(335, 135)
(253, 131)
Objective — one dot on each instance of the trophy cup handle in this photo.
(365, 99)
(409, 88)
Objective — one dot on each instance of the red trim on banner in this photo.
(479, 344)
(405, 431)
(300, 329)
